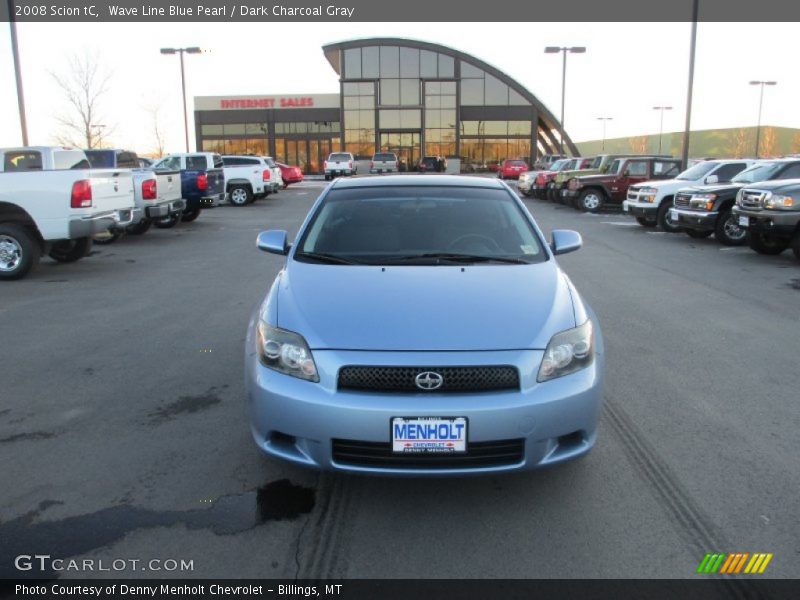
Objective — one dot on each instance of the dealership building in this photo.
(408, 97)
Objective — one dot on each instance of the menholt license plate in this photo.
(429, 435)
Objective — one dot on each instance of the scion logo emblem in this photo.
(429, 381)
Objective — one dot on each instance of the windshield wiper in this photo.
(330, 259)
(460, 258)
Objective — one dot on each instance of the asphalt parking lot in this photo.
(123, 433)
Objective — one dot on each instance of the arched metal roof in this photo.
(547, 121)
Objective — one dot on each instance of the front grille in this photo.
(753, 199)
(682, 200)
(454, 379)
(633, 194)
(379, 454)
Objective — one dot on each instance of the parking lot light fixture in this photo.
(604, 120)
(760, 104)
(661, 126)
(182, 51)
(564, 50)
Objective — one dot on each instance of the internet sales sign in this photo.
(270, 102)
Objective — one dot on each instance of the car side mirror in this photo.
(565, 240)
(712, 179)
(273, 241)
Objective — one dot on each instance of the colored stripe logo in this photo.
(734, 563)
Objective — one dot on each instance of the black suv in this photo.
(703, 210)
(770, 213)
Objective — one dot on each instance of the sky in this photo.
(628, 68)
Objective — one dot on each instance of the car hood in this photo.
(424, 308)
(777, 185)
(713, 188)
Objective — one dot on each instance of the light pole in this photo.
(563, 50)
(181, 51)
(604, 120)
(760, 104)
(23, 122)
(661, 127)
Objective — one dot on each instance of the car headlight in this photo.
(285, 352)
(567, 352)
(647, 194)
(781, 202)
(702, 201)
(739, 195)
(523, 177)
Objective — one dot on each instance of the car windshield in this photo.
(696, 172)
(339, 157)
(755, 173)
(516, 163)
(420, 225)
(385, 157)
(100, 159)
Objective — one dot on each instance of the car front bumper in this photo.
(298, 420)
(639, 209)
(780, 223)
(695, 219)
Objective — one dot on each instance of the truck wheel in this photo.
(19, 251)
(240, 195)
(591, 200)
(167, 222)
(664, 220)
(767, 244)
(727, 230)
(140, 228)
(645, 222)
(67, 251)
(190, 215)
(698, 235)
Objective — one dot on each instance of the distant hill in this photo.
(736, 142)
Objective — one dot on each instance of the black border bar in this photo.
(449, 11)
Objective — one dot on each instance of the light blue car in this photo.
(421, 326)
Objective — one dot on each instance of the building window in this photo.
(486, 150)
(495, 128)
(370, 62)
(440, 118)
(409, 63)
(359, 117)
(352, 63)
(390, 61)
(400, 119)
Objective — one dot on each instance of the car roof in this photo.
(419, 180)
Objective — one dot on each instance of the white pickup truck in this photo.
(246, 178)
(51, 202)
(157, 195)
(339, 163)
(649, 202)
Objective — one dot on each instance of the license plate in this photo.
(744, 221)
(429, 435)
(625, 206)
(673, 214)
(551, 185)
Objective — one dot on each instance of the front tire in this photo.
(19, 251)
(240, 195)
(591, 200)
(664, 220)
(766, 244)
(698, 235)
(727, 230)
(67, 251)
(645, 222)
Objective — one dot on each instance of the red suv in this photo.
(512, 169)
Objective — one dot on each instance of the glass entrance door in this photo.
(405, 145)
(308, 154)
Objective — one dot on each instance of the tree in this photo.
(83, 85)
(741, 143)
(154, 110)
(768, 143)
(639, 144)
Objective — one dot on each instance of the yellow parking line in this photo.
(765, 563)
